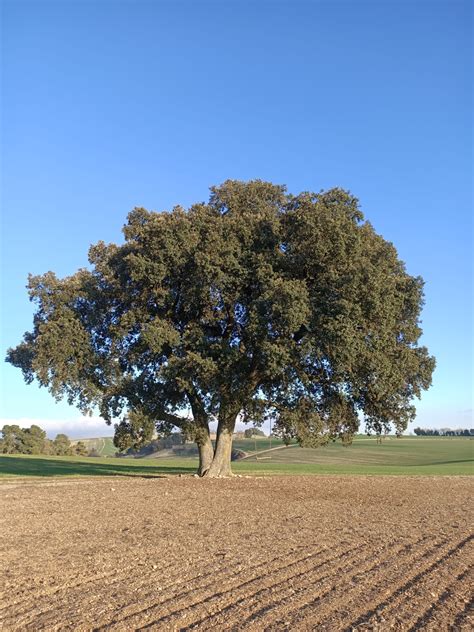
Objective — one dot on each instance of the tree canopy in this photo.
(16, 440)
(33, 440)
(258, 304)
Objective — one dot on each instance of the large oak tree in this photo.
(256, 304)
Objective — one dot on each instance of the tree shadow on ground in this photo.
(18, 466)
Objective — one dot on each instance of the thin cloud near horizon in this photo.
(78, 428)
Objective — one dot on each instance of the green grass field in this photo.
(103, 445)
(406, 456)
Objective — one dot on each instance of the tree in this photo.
(250, 432)
(256, 305)
(48, 447)
(12, 439)
(34, 439)
(80, 448)
(16, 440)
(62, 445)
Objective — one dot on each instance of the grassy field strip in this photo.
(257, 454)
(24, 467)
(406, 456)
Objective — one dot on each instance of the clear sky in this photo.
(109, 105)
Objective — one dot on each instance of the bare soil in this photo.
(295, 553)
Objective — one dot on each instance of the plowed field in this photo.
(295, 553)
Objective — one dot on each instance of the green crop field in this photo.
(103, 445)
(365, 451)
(405, 456)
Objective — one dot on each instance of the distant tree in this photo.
(443, 432)
(16, 440)
(80, 448)
(251, 432)
(12, 439)
(34, 439)
(93, 452)
(62, 445)
(256, 305)
(48, 447)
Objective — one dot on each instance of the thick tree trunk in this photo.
(200, 433)
(206, 453)
(220, 466)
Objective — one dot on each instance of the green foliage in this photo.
(34, 440)
(259, 304)
(62, 445)
(444, 432)
(12, 439)
(134, 432)
(251, 432)
(16, 440)
(80, 449)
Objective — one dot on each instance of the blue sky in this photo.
(109, 105)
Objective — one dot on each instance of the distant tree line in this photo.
(33, 440)
(444, 432)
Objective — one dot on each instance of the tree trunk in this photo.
(200, 434)
(206, 453)
(220, 466)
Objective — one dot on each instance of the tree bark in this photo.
(206, 452)
(201, 433)
(220, 466)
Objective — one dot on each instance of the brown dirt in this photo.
(296, 553)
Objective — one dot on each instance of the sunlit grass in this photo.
(405, 456)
